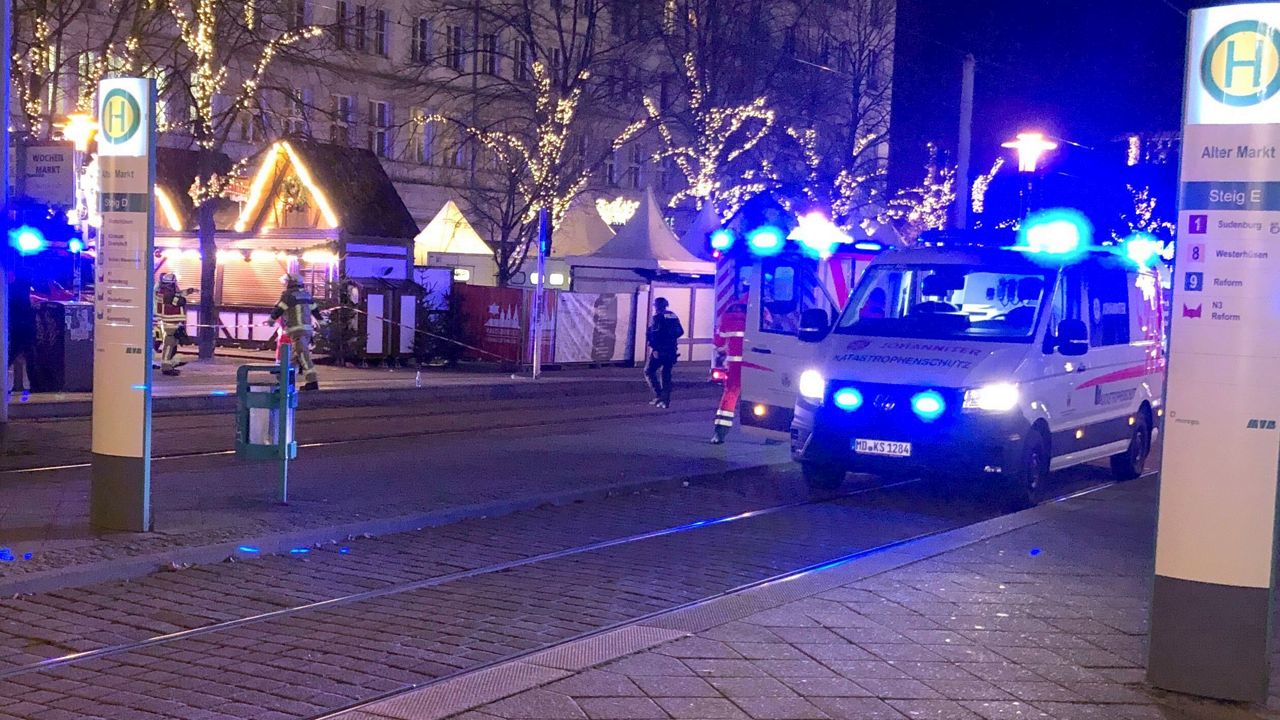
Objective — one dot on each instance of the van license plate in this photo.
(882, 447)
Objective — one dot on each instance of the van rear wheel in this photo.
(822, 477)
(1133, 461)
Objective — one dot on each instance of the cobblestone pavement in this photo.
(573, 446)
(1045, 621)
(301, 664)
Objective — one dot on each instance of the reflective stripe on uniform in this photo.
(733, 334)
(724, 422)
(733, 358)
(725, 413)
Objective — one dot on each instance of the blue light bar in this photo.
(766, 240)
(928, 405)
(847, 399)
(27, 240)
(723, 239)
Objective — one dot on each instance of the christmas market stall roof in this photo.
(646, 243)
(351, 191)
(176, 170)
(581, 231)
(448, 232)
(695, 237)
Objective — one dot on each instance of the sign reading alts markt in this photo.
(123, 307)
(1214, 551)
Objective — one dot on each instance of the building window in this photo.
(421, 48)
(611, 169)
(342, 14)
(454, 53)
(296, 123)
(340, 130)
(633, 168)
(557, 59)
(297, 10)
(251, 126)
(524, 60)
(487, 51)
(361, 31)
(380, 32)
(421, 140)
(379, 127)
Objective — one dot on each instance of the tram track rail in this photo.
(429, 582)
(336, 713)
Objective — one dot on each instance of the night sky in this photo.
(1086, 71)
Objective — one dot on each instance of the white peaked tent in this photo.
(646, 243)
(448, 232)
(449, 241)
(581, 232)
(695, 237)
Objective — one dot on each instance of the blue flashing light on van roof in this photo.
(766, 240)
(1143, 249)
(27, 240)
(818, 235)
(868, 246)
(1061, 232)
(722, 239)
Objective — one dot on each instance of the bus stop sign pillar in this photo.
(1215, 543)
(266, 397)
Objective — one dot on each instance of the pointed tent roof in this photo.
(449, 232)
(581, 232)
(646, 243)
(695, 236)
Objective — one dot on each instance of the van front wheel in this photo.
(1131, 463)
(1025, 486)
(822, 477)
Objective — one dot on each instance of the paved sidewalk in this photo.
(209, 385)
(1041, 614)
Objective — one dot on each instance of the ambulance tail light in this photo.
(719, 374)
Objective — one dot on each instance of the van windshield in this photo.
(948, 302)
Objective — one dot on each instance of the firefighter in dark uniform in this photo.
(297, 307)
(170, 319)
(730, 337)
(664, 330)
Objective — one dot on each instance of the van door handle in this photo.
(762, 351)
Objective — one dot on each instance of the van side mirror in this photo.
(1072, 338)
(814, 325)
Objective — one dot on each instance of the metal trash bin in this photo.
(266, 398)
(64, 347)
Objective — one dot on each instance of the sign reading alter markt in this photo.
(123, 291)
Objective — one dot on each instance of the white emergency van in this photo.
(984, 362)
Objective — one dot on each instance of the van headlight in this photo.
(812, 385)
(997, 397)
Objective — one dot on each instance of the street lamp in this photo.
(1030, 147)
(80, 129)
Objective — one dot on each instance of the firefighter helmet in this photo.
(169, 278)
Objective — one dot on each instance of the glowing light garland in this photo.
(978, 197)
(924, 207)
(1143, 219)
(704, 158)
(618, 210)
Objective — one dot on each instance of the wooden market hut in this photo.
(324, 211)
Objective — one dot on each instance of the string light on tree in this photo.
(982, 183)
(618, 210)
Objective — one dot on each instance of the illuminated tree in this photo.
(926, 206)
(534, 136)
(57, 62)
(982, 183)
(226, 51)
(1145, 217)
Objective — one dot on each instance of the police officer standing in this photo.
(170, 321)
(297, 307)
(664, 330)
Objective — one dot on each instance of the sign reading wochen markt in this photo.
(120, 498)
